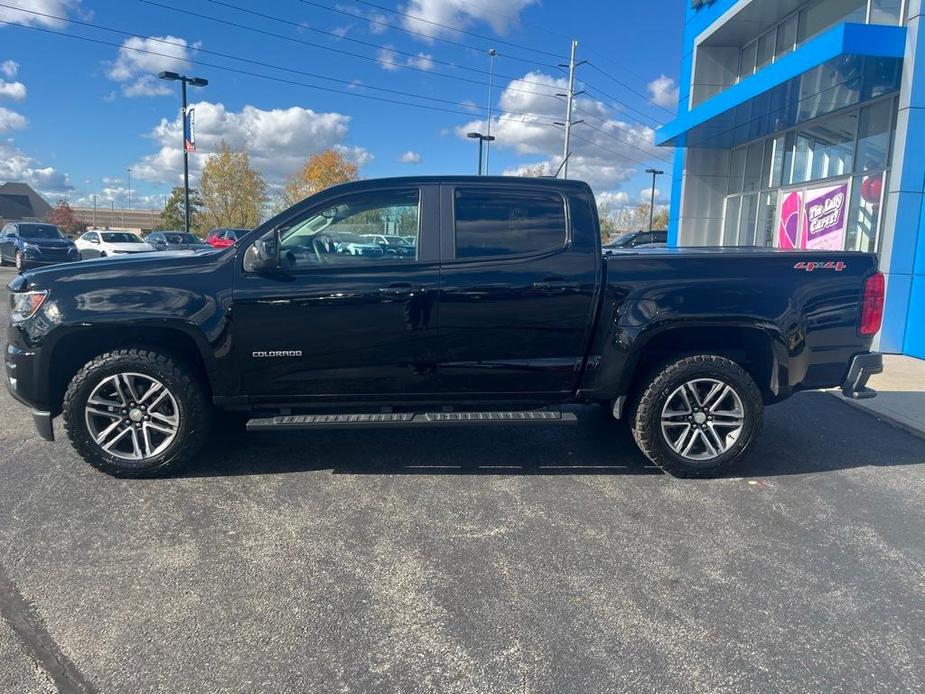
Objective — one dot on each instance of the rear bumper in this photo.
(863, 366)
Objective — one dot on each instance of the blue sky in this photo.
(76, 114)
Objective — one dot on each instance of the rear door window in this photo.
(498, 223)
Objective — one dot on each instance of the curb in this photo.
(887, 419)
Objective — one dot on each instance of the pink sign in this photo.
(789, 232)
(826, 211)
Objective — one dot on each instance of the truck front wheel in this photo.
(136, 413)
(698, 416)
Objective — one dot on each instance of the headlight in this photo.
(23, 305)
(31, 248)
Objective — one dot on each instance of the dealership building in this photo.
(801, 124)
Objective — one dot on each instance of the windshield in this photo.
(121, 237)
(181, 238)
(39, 231)
(622, 240)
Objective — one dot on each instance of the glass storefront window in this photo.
(747, 63)
(822, 155)
(787, 35)
(767, 212)
(766, 49)
(737, 170)
(864, 212)
(777, 161)
(731, 222)
(886, 11)
(747, 220)
(833, 146)
(874, 136)
(819, 15)
(754, 164)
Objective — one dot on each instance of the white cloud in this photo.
(645, 196)
(9, 68)
(60, 8)
(664, 91)
(603, 155)
(388, 59)
(12, 90)
(16, 165)
(10, 120)
(501, 16)
(410, 157)
(612, 200)
(278, 141)
(422, 61)
(137, 69)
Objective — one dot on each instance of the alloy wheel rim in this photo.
(702, 419)
(18, 260)
(132, 416)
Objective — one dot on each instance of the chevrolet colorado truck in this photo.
(506, 312)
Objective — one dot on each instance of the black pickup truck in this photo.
(505, 312)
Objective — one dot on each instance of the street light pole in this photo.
(129, 190)
(482, 140)
(654, 172)
(196, 82)
(491, 83)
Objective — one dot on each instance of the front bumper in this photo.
(863, 366)
(20, 382)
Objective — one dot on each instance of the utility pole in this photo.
(654, 172)
(491, 83)
(570, 98)
(94, 211)
(129, 190)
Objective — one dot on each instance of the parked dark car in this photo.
(224, 238)
(176, 241)
(637, 239)
(33, 244)
(506, 313)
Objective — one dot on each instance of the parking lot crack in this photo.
(27, 625)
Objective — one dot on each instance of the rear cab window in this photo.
(492, 223)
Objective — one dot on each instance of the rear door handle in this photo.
(556, 283)
(397, 289)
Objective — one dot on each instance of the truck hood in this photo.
(162, 265)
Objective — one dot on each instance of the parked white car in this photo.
(99, 244)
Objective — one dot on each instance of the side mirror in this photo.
(94, 240)
(263, 254)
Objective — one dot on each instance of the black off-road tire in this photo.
(195, 411)
(645, 417)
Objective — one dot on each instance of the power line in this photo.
(631, 89)
(339, 51)
(451, 42)
(380, 61)
(259, 63)
(281, 80)
(461, 31)
(238, 71)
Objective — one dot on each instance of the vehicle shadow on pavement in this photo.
(597, 445)
(810, 433)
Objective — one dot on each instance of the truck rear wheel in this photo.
(136, 413)
(698, 416)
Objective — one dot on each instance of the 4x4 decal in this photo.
(812, 265)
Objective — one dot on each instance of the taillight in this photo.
(872, 306)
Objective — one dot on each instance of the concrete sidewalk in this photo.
(900, 394)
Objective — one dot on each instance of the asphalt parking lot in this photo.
(495, 560)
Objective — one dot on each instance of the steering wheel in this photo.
(317, 247)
